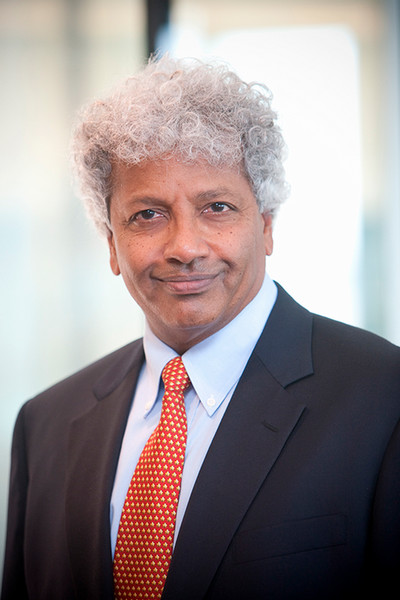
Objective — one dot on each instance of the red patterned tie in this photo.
(146, 530)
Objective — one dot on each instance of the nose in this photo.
(186, 241)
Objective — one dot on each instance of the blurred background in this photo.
(333, 67)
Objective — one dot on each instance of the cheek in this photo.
(234, 246)
(251, 257)
(136, 261)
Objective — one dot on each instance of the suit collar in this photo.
(119, 365)
(285, 345)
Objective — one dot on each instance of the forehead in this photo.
(172, 174)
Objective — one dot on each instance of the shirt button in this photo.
(147, 406)
(211, 401)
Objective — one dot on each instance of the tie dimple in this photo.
(145, 536)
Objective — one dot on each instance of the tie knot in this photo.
(174, 375)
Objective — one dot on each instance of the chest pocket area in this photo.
(290, 537)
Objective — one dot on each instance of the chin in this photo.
(193, 324)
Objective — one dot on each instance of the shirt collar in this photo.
(215, 364)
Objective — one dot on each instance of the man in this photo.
(290, 438)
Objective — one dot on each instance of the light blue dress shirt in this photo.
(214, 367)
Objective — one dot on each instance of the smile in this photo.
(188, 284)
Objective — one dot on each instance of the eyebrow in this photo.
(205, 195)
(214, 193)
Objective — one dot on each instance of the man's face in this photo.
(190, 244)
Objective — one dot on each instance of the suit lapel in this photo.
(258, 421)
(95, 440)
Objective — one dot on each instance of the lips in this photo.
(187, 284)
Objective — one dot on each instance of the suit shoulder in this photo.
(79, 386)
(345, 344)
(332, 333)
(342, 333)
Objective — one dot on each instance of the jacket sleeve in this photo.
(14, 573)
(385, 529)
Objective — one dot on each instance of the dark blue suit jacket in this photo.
(298, 496)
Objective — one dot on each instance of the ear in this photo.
(113, 254)
(268, 239)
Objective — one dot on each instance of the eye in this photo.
(218, 207)
(144, 215)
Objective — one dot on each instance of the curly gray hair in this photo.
(188, 108)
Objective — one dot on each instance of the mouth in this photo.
(188, 284)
